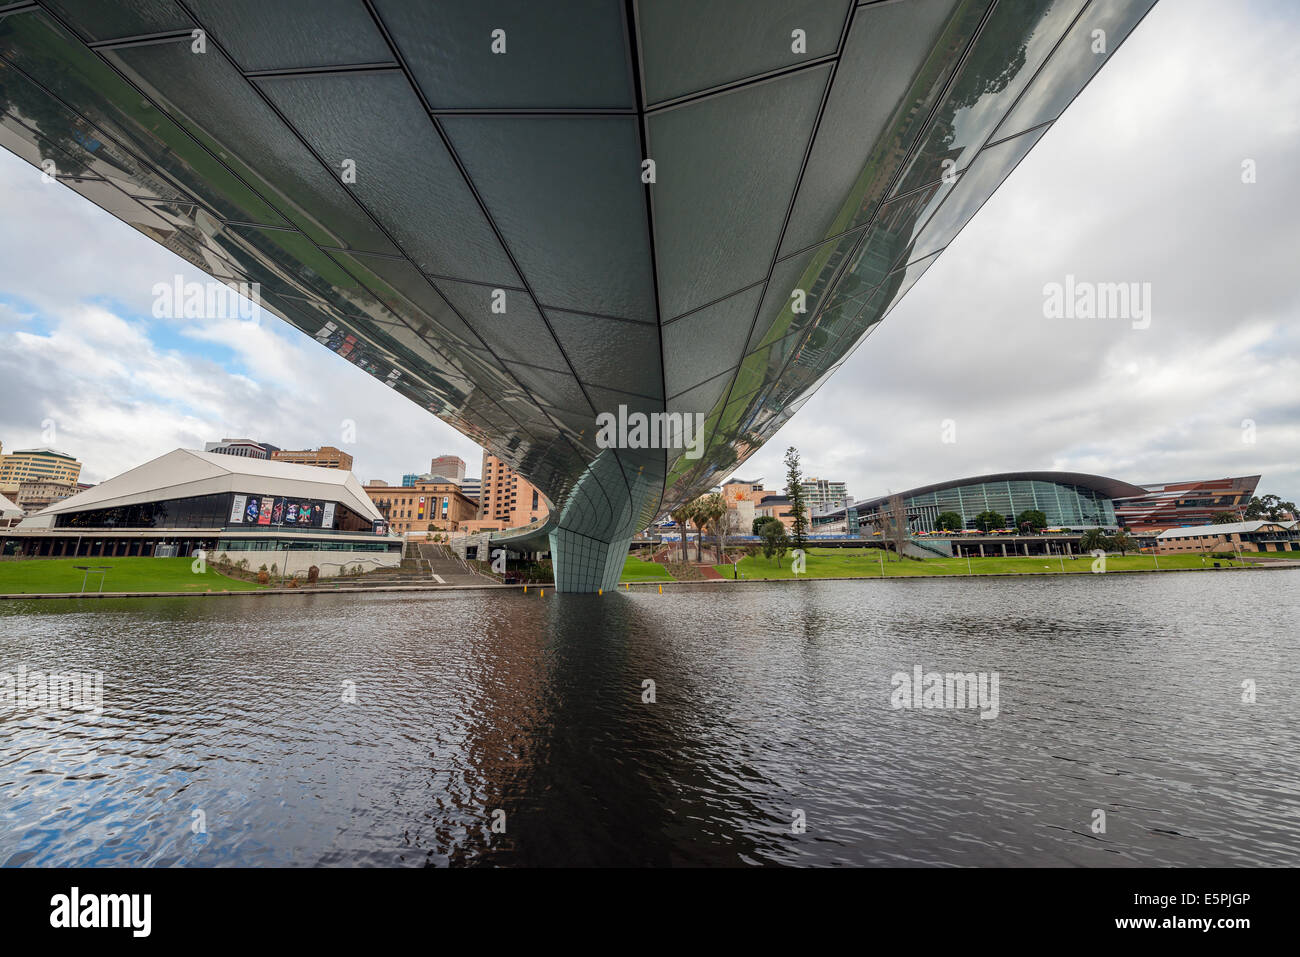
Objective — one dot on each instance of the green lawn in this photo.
(123, 575)
(858, 562)
(636, 570)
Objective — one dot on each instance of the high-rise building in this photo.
(506, 498)
(325, 457)
(451, 466)
(244, 448)
(27, 465)
(822, 493)
(473, 488)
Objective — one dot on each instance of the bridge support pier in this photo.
(605, 509)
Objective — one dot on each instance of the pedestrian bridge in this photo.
(526, 216)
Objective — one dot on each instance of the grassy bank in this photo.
(858, 563)
(49, 575)
(636, 570)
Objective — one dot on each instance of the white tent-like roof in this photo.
(8, 509)
(185, 472)
(1229, 528)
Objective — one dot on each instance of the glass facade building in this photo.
(1066, 506)
(216, 511)
(694, 209)
(1067, 500)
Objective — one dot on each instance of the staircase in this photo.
(445, 567)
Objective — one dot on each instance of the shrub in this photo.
(313, 575)
(262, 577)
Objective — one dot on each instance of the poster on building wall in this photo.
(327, 518)
(264, 515)
(420, 514)
(380, 527)
(237, 509)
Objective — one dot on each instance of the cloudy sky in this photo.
(1140, 182)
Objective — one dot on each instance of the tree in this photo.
(729, 523)
(948, 522)
(1269, 507)
(757, 527)
(895, 524)
(988, 519)
(775, 541)
(794, 492)
(1224, 518)
(1032, 517)
(712, 508)
(1123, 542)
(682, 516)
(700, 513)
(1092, 540)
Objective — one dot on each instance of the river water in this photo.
(507, 729)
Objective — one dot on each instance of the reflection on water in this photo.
(1120, 693)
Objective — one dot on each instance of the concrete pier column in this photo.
(610, 503)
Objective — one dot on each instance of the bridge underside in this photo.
(523, 216)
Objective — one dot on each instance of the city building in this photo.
(36, 494)
(823, 494)
(262, 511)
(425, 506)
(506, 498)
(1260, 536)
(452, 466)
(325, 457)
(774, 505)
(1069, 500)
(832, 520)
(27, 465)
(244, 448)
(1176, 504)
(773, 167)
(473, 489)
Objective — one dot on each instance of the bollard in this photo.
(661, 589)
(543, 592)
(600, 591)
(525, 589)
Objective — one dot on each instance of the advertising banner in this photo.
(237, 509)
(264, 516)
(327, 519)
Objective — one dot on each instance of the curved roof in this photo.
(1110, 487)
(185, 472)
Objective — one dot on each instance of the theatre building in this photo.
(185, 501)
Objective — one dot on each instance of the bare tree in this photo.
(728, 523)
(894, 521)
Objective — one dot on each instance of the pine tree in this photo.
(794, 492)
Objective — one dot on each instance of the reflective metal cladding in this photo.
(523, 216)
